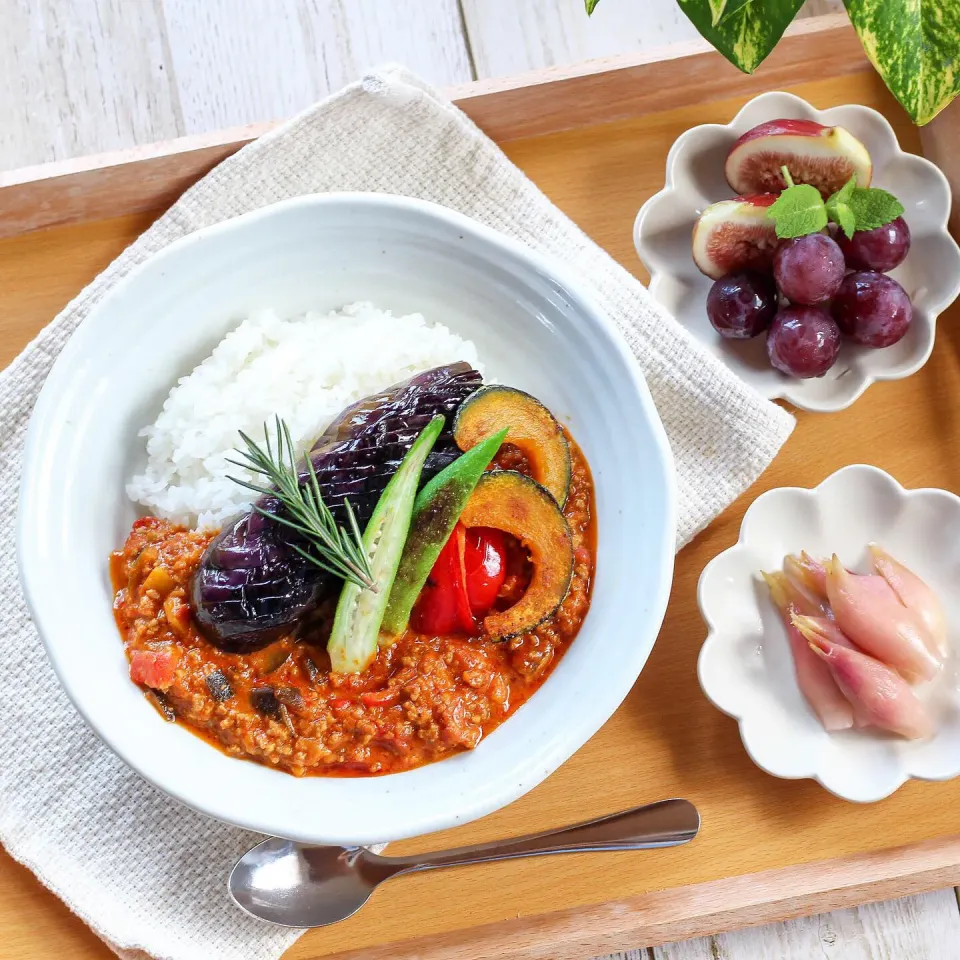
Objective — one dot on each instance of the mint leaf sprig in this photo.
(873, 207)
(840, 210)
(800, 209)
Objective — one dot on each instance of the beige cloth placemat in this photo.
(145, 873)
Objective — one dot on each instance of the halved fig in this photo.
(735, 235)
(826, 157)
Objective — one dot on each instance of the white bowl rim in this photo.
(591, 718)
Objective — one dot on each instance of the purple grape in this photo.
(741, 305)
(872, 309)
(881, 249)
(803, 341)
(809, 269)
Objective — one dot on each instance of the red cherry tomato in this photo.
(464, 582)
(485, 559)
(443, 606)
(464, 613)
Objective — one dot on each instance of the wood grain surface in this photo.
(507, 37)
(541, 102)
(665, 739)
(926, 927)
(671, 914)
(279, 56)
(83, 77)
(89, 76)
(941, 144)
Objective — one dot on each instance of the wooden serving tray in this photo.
(595, 139)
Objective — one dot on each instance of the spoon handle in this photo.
(664, 824)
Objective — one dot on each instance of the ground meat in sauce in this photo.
(421, 700)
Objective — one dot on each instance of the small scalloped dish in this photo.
(695, 179)
(746, 668)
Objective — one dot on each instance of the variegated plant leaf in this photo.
(915, 46)
(591, 5)
(746, 31)
(724, 8)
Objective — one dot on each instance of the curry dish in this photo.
(456, 670)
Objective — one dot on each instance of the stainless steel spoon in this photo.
(296, 885)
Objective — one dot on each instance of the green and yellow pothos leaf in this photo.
(725, 8)
(746, 30)
(915, 46)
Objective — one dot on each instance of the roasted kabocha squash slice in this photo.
(510, 501)
(530, 426)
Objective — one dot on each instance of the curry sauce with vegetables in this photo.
(433, 689)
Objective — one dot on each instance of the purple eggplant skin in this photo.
(252, 587)
(361, 450)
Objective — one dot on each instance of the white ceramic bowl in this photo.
(746, 667)
(534, 327)
(695, 179)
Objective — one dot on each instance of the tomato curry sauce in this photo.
(422, 699)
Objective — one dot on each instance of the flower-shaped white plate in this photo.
(745, 665)
(695, 179)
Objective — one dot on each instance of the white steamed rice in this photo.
(306, 370)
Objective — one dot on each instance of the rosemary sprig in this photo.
(331, 547)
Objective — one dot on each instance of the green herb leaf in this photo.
(591, 5)
(329, 546)
(744, 32)
(915, 46)
(874, 208)
(839, 209)
(843, 216)
(862, 208)
(799, 210)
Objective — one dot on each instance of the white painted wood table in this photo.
(87, 76)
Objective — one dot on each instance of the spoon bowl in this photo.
(296, 885)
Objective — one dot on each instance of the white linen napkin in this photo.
(144, 872)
